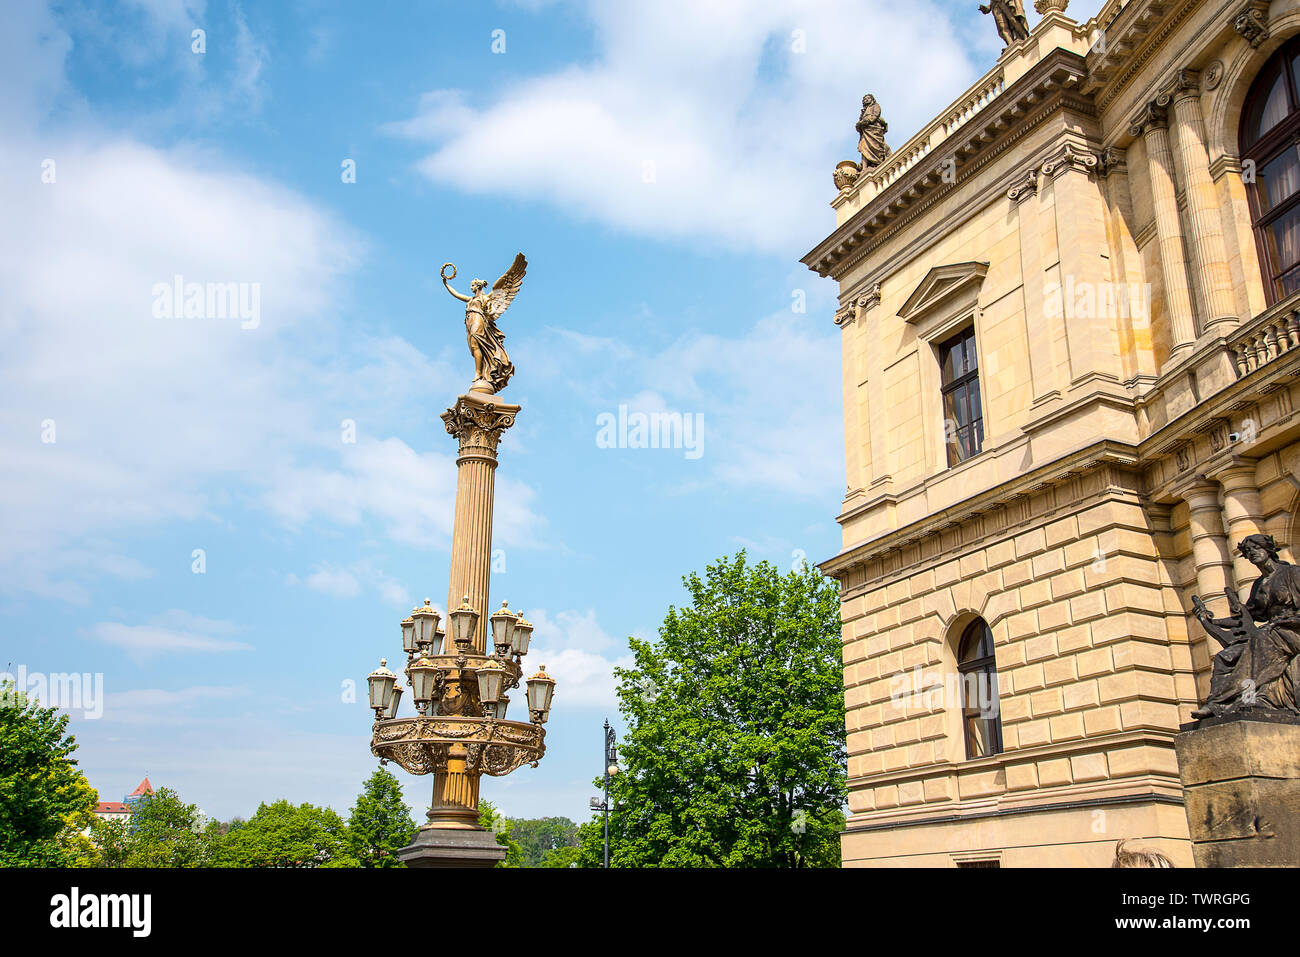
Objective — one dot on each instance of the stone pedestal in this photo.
(1241, 784)
(444, 847)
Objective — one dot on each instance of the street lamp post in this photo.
(459, 731)
(611, 769)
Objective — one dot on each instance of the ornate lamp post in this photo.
(459, 731)
(611, 769)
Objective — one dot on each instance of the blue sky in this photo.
(663, 167)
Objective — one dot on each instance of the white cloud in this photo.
(251, 56)
(574, 648)
(173, 420)
(154, 706)
(700, 121)
(770, 398)
(348, 582)
(337, 582)
(147, 641)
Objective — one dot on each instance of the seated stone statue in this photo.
(1259, 665)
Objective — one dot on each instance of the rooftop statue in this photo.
(492, 366)
(1009, 15)
(871, 135)
(1257, 669)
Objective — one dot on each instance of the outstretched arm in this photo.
(446, 281)
(461, 296)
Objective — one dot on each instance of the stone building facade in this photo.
(1071, 361)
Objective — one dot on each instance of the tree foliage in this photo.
(492, 819)
(45, 800)
(166, 832)
(287, 835)
(735, 751)
(540, 836)
(380, 824)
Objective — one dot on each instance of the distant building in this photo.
(112, 811)
(122, 810)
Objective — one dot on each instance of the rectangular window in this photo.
(963, 422)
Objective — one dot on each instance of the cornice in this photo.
(1045, 90)
(1056, 472)
(1113, 62)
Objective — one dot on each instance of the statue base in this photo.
(1241, 788)
(448, 847)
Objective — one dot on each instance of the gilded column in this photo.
(1209, 251)
(1152, 127)
(1243, 511)
(455, 794)
(477, 421)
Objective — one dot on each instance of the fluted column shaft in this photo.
(455, 796)
(471, 543)
(477, 422)
(1152, 126)
(1243, 510)
(1209, 251)
(1209, 543)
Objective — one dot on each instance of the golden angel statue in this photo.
(492, 367)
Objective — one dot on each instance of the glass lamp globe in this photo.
(523, 634)
(463, 621)
(426, 624)
(503, 627)
(541, 688)
(381, 682)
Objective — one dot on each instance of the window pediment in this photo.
(945, 291)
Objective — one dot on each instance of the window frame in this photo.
(1270, 146)
(985, 664)
(969, 341)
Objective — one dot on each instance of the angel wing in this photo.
(506, 288)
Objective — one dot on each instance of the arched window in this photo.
(981, 717)
(1270, 146)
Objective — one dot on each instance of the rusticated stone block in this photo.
(1241, 784)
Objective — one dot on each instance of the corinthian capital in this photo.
(478, 421)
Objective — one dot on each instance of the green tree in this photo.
(567, 856)
(380, 824)
(166, 832)
(45, 800)
(106, 843)
(493, 820)
(285, 835)
(735, 751)
(539, 836)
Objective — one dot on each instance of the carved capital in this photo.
(1154, 116)
(1026, 185)
(869, 299)
(477, 422)
(1251, 21)
(1072, 157)
(1187, 84)
(1113, 160)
